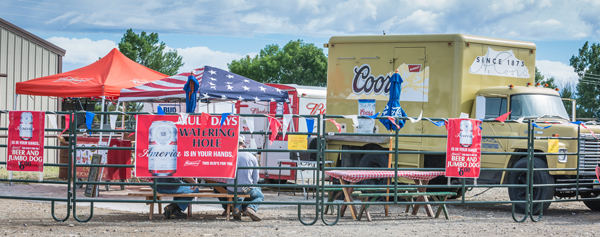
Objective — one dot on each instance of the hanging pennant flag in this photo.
(183, 118)
(503, 117)
(113, 121)
(204, 119)
(354, 119)
(520, 120)
(223, 118)
(577, 122)
(438, 123)
(250, 123)
(412, 120)
(393, 120)
(160, 110)
(52, 119)
(310, 125)
(337, 125)
(536, 126)
(374, 116)
(89, 119)
(287, 118)
(274, 125)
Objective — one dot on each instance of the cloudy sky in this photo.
(214, 33)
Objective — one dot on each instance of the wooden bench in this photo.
(437, 196)
(333, 195)
(203, 193)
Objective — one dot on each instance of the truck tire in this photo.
(374, 161)
(539, 177)
(441, 180)
(592, 205)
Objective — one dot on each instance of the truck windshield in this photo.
(536, 105)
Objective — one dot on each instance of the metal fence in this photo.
(321, 185)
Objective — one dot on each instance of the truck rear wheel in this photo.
(539, 177)
(374, 161)
(592, 205)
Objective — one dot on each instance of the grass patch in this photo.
(50, 173)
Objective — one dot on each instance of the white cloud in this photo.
(197, 57)
(83, 51)
(518, 19)
(561, 72)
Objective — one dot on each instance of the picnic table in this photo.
(355, 176)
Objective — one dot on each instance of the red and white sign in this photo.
(463, 154)
(199, 147)
(414, 67)
(26, 141)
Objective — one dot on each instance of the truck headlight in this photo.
(562, 158)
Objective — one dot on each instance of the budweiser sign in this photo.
(415, 83)
(74, 80)
(192, 163)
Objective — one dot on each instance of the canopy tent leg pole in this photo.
(10, 173)
(123, 117)
(100, 142)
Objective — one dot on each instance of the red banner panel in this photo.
(199, 147)
(26, 141)
(463, 154)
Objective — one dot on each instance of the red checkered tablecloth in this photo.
(355, 176)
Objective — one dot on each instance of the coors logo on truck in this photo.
(415, 83)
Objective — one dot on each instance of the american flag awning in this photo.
(215, 84)
(223, 85)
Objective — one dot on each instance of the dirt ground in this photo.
(29, 218)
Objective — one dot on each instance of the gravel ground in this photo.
(28, 218)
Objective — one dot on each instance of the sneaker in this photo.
(252, 214)
(178, 214)
(173, 212)
(237, 215)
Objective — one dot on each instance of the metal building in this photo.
(24, 56)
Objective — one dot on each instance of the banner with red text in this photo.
(26, 141)
(463, 154)
(200, 147)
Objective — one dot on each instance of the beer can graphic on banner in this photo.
(162, 148)
(466, 133)
(26, 126)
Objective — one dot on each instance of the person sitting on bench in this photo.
(246, 176)
(175, 210)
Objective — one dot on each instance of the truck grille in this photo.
(588, 162)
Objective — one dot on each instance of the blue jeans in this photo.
(180, 190)
(256, 196)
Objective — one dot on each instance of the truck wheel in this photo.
(539, 177)
(374, 161)
(441, 180)
(592, 205)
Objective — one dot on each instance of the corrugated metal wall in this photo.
(22, 60)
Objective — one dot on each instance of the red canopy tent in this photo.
(105, 77)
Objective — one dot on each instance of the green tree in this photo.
(145, 49)
(587, 65)
(568, 91)
(539, 78)
(296, 63)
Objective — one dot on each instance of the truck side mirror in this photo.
(480, 107)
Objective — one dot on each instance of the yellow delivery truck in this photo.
(445, 76)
